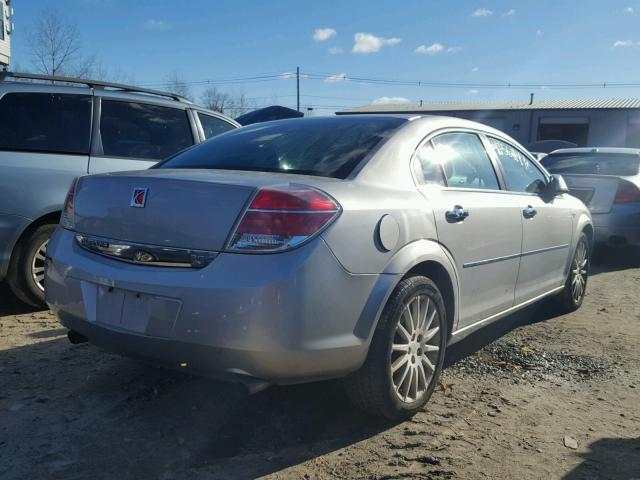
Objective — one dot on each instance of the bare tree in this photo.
(178, 85)
(56, 48)
(230, 105)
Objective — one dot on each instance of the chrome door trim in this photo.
(545, 249)
(515, 255)
(490, 260)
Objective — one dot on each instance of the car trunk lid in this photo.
(596, 191)
(163, 208)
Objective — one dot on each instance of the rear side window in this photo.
(322, 146)
(464, 161)
(45, 122)
(140, 130)
(213, 126)
(520, 172)
(429, 169)
(623, 165)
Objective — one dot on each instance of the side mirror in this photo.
(557, 185)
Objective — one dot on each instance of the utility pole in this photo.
(298, 86)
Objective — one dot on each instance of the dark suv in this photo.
(52, 132)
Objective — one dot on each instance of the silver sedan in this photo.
(291, 251)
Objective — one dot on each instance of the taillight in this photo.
(627, 193)
(67, 219)
(281, 218)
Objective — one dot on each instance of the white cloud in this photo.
(339, 77)
(473, 91)
(287, 75)
(369, 43)
(336, 50)
(482, 12)
(154, 24)
(453, 49)
(622, 44)
(390, 101)
(433, 49)
(629, 10)
(323, 34)
(474, 69)
(510, 13)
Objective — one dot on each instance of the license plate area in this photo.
(137, 312)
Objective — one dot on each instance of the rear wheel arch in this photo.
(439, 275)
(52, 218)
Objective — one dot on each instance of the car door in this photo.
(44, 144)
(547, 224)
(135, 135)
(476, 222)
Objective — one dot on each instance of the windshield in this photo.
(623, 165)
(326, 147)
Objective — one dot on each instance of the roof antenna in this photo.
(531, 100)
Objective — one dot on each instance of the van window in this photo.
(213, 126)
(140, 130)
(45, 122)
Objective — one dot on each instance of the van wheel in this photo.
(406, 353)
(571, 297)
(26, 271)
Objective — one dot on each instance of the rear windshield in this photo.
(594, 164)
(326, 147)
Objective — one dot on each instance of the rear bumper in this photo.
(283, 318)
(620, 227)
(11, 227)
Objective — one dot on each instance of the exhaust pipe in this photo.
(75, 338)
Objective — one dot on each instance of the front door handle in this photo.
(458, 214)
(529, 212)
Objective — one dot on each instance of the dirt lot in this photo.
(511, 398)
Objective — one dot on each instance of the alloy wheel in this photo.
(579, 270)
(37, 265)
(416, 349)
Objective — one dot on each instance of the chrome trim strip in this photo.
(546, 249)
(515, 255)
(143, 254)
(507, 311)
(490, 260)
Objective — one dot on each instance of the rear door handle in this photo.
(458, 214)
(529, 212)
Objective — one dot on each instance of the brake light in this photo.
(627, 193)
(282, 218)
(67, 219)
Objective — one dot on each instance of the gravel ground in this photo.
(536, 395)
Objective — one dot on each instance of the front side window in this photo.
(321, 146)
(464, 161)
(213, 126)
(139, 130)
(45, 122)
(520, 173)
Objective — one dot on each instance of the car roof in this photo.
(602, 150)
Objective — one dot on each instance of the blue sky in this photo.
(541, 42)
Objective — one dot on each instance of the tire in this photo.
(27, 261)
(575, 287)
(380, 387)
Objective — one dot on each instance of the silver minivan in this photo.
(51, 133)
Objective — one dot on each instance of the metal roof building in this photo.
(584, 122)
